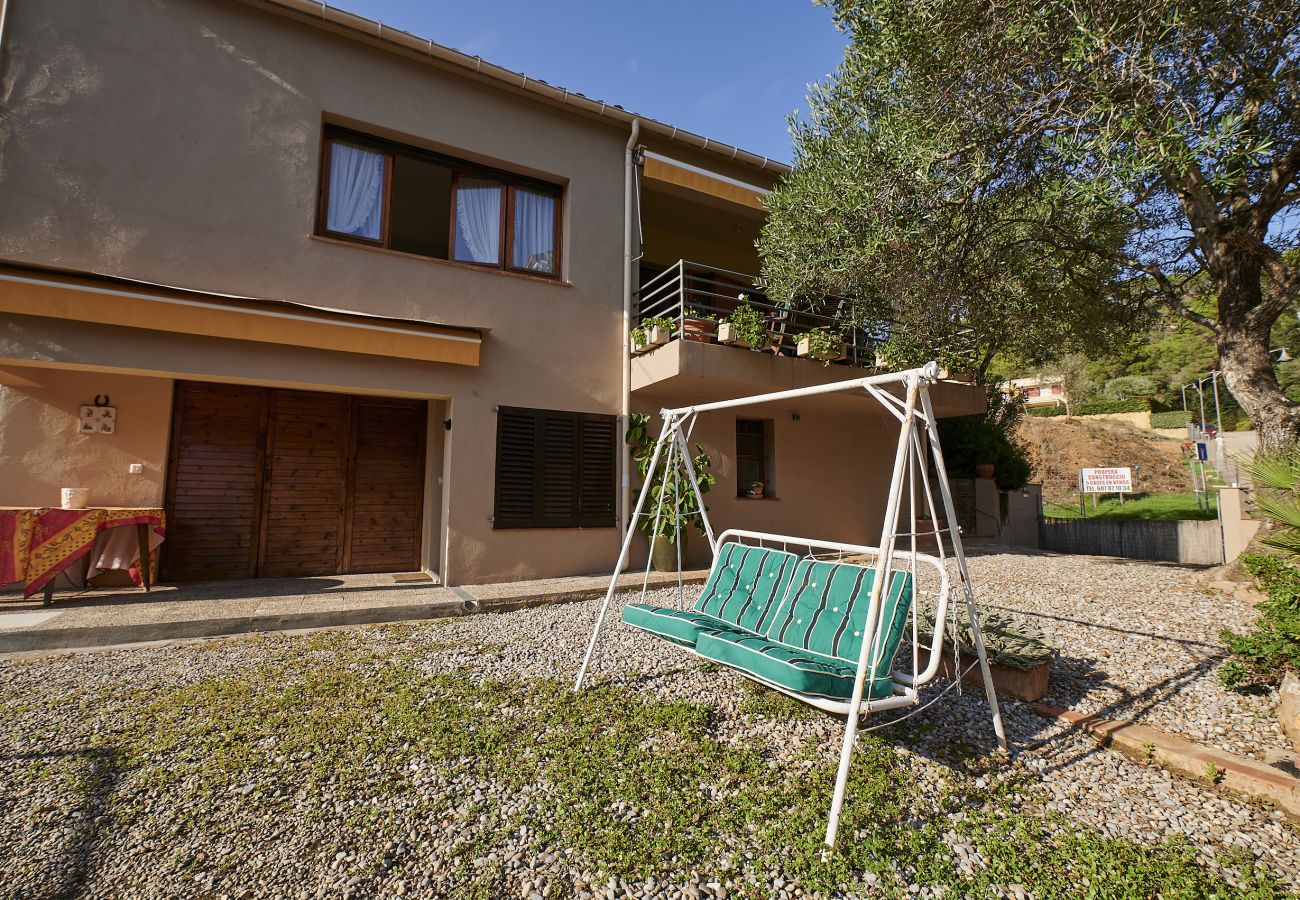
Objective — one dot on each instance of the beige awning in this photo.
(106, 300)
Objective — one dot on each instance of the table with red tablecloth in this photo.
(38, 543)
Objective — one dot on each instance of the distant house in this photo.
(1041, 390)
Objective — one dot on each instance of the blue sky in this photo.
(727, 69)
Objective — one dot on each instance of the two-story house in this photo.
(362, 302)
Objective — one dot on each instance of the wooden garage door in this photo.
(213, 482)
(270, 483)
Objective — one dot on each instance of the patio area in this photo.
(450, 759)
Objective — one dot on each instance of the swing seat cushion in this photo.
(812, 644)
(742, 595)
(681, 626)
(747, 585)
(797, 670)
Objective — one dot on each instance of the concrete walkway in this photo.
(111, 616)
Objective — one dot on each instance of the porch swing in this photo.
(821, 621)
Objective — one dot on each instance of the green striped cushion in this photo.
(681, 626)
(826, 612)
(746, 585)
(797, 670)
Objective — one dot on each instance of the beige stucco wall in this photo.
(41, 450)
(832, 468)
(178, 143)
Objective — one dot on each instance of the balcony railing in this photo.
(696, 297)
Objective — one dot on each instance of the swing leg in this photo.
(959, 554)
(887, 533)
(622, 557)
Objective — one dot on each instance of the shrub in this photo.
(1100, 408)
(970, 440)
(1177, 419)
(1262, 656)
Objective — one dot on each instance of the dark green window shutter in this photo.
(596, 476)
(555, 469)
(517, 443)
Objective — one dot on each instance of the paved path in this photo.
(101, 616)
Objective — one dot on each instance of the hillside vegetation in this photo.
(1057, 448)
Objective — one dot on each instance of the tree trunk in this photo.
(1244, 358)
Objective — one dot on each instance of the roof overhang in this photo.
(376, 33)
(108, 300)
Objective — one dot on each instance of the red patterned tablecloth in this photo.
(36, 544)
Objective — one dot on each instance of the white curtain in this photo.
(356, 189)
(534, 246)
(478, 220)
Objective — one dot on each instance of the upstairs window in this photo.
(403, 198)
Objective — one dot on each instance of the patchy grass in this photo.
(633, 786)
(1151, 507)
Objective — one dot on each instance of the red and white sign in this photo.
(1115, 480)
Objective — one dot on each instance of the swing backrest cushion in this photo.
(826, 608)
(747, 585)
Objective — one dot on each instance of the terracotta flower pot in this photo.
(984, 470)
(701, 330)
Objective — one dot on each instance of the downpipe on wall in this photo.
(631, 253)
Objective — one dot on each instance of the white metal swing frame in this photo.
(917, 438)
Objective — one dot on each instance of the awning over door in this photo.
(106, 300)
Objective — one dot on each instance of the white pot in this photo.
(805, 350)
(659, 335)
(75, 498)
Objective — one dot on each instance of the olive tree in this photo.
(1041, 175)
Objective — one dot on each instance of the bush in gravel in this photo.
(625, 784)
(1262, 656)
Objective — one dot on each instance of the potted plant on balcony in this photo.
(745, 327)
(824, 345)
(652, 332)
(698, 326)
(755, 491)
(672, 506)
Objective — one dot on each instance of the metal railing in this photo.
(696, 297)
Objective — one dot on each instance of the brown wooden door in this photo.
(305, 488)
(214, 482)
(271, 483)
(387, 485)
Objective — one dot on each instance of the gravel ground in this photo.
(257, 839)
(1136, 641)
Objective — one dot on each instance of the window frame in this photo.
(459, 168)
(579, 519)
(766, 459)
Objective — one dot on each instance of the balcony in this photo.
(692, 365)
(697, 298)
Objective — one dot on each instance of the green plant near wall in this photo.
(670, 492)
(1261, 656)
(824, 344)
(749, 324)
(641, 334)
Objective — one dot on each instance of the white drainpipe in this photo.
(630, 254)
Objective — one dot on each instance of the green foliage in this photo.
(641, 334)
(1101, 408)
(749, 324)
(671, 504)
(361, 733)
(1272, 648)
(968, 441)
(1174, 419)
(1144, 507)
(1034, 178)
(826, 344)
(1278, 475)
